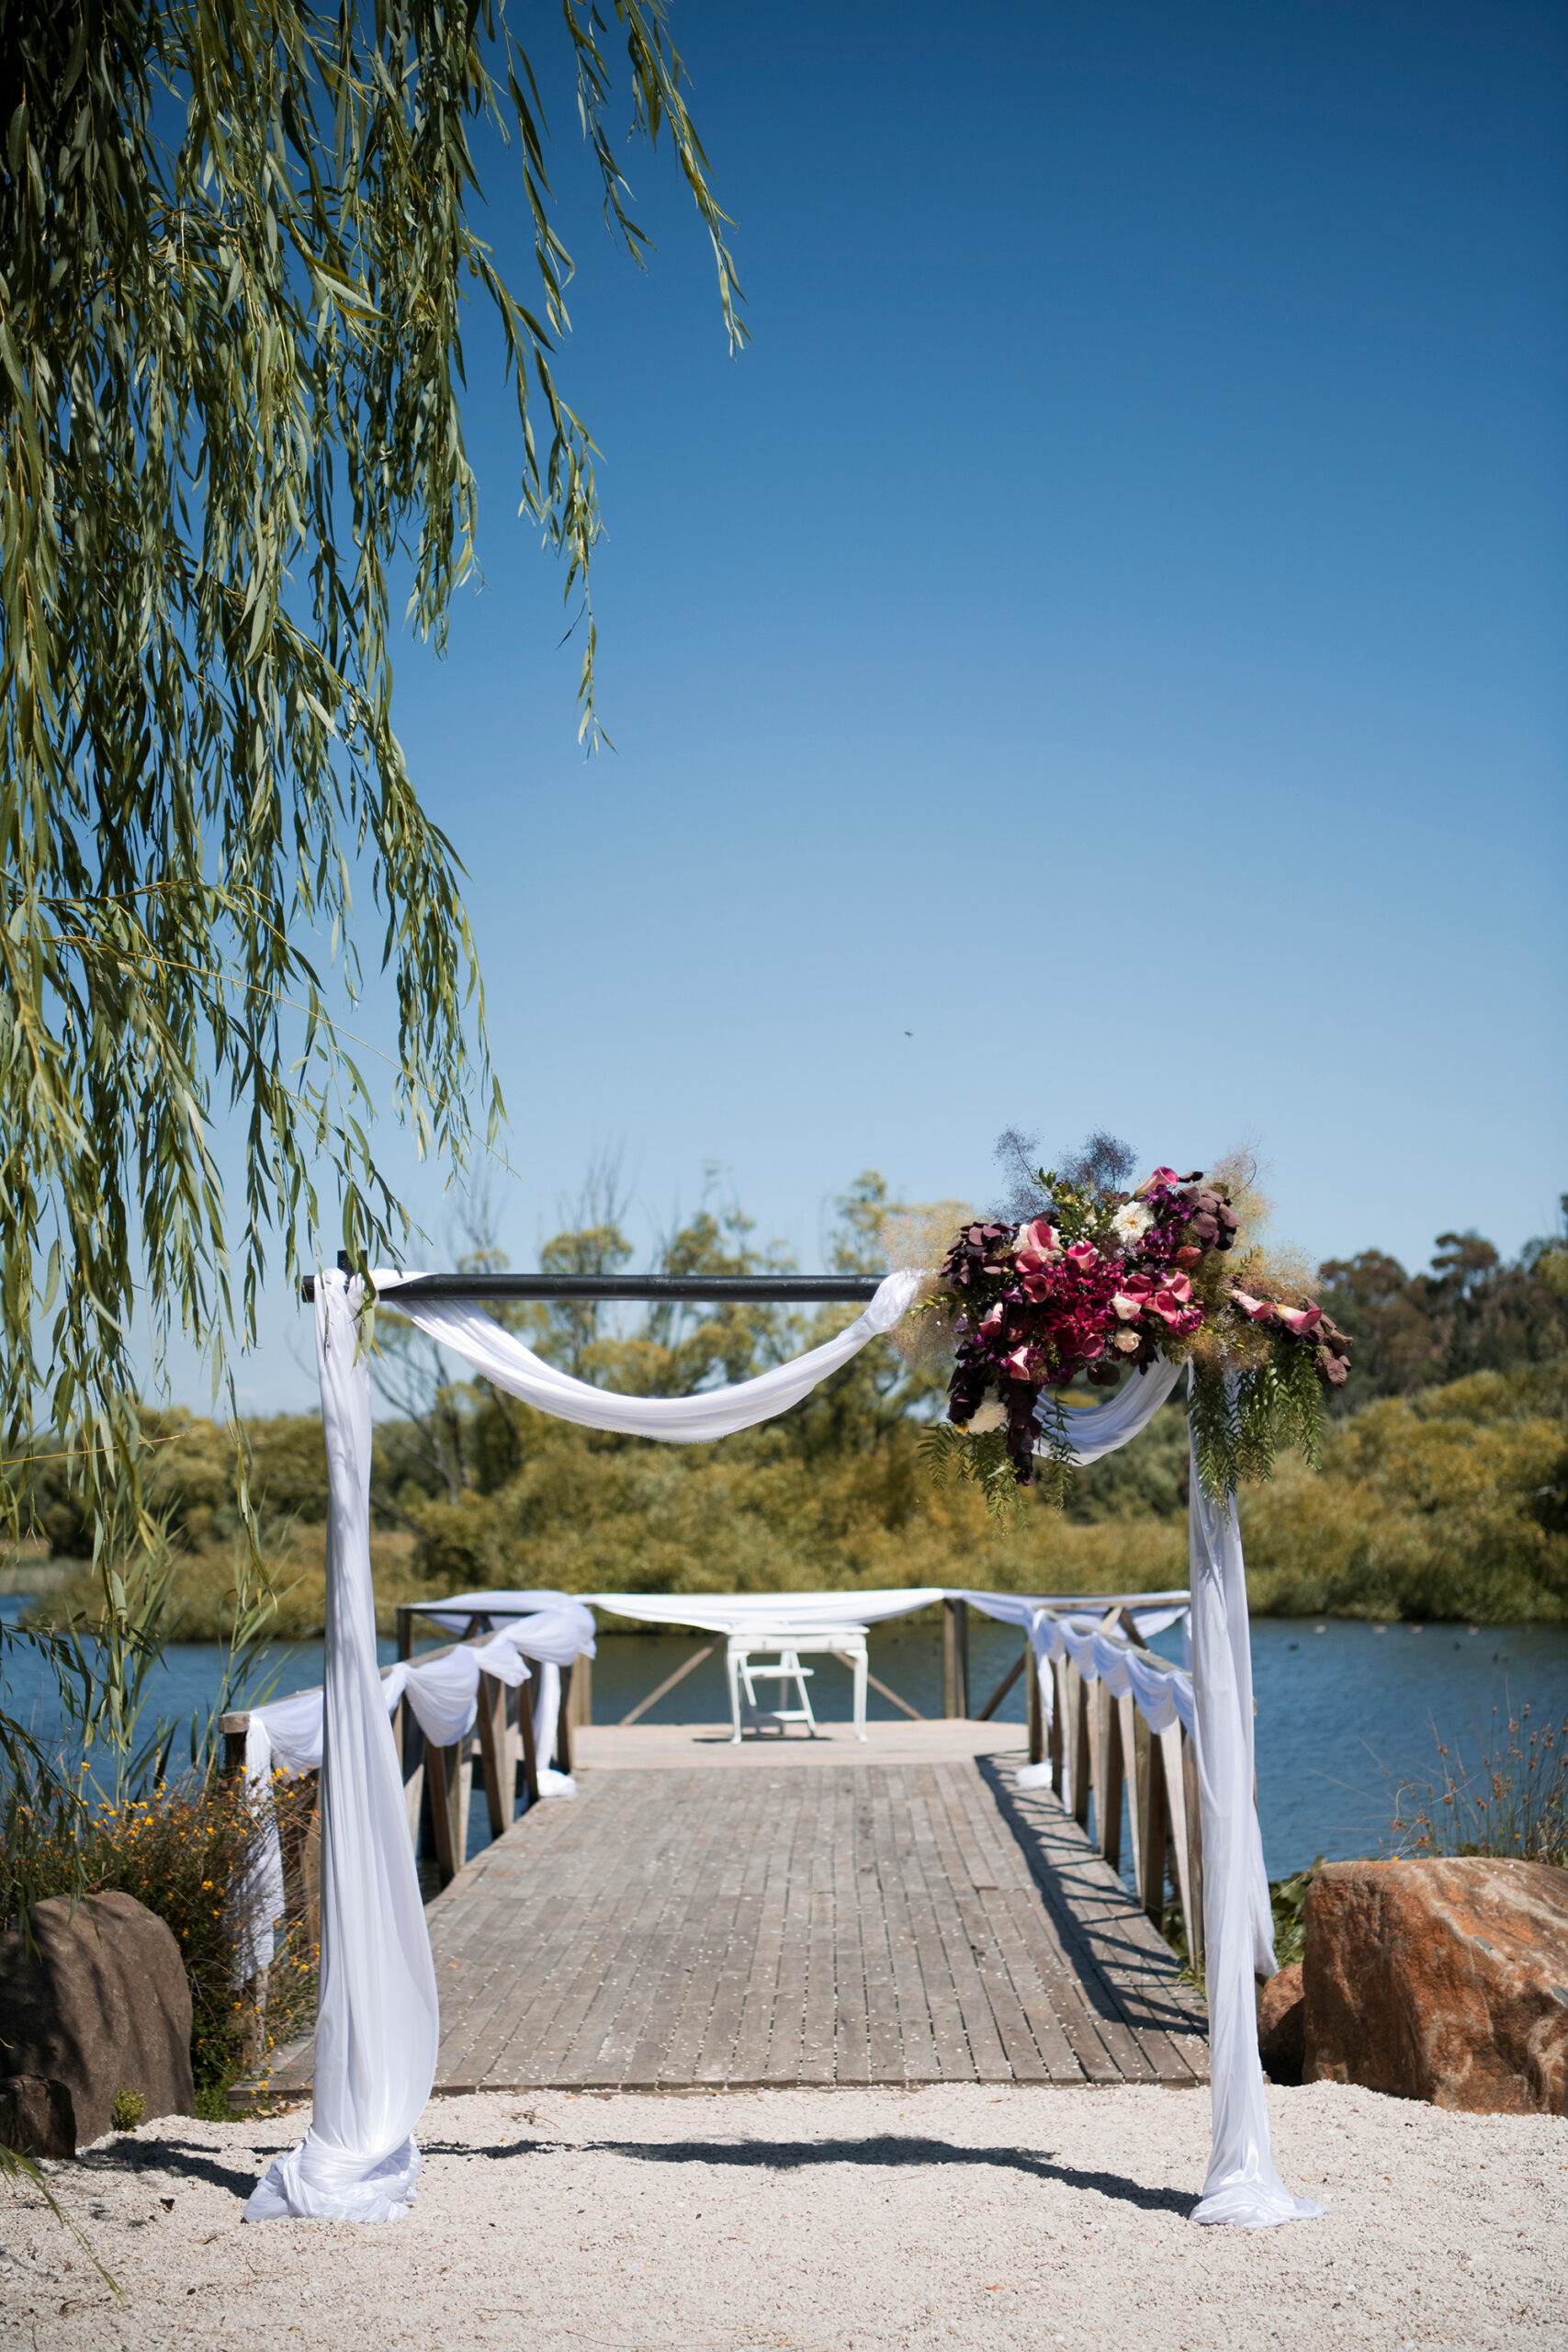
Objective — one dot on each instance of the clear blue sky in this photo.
(1110, 625)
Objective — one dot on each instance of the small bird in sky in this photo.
(908, 1033)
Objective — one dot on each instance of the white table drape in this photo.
(376, 2035)
(741, 1613)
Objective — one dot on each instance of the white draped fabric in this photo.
(376, 2035)
(469, 1332)
(548, 1626)
(1163, 1694)
(287, 1735)
(1243, 2185)
(1239, 1930)
(377, 2023)
(543, 1624)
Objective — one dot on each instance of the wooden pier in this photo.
(898, 1913)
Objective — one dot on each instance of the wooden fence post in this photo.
(300, 1847)
(409, 1741)
(581, 1690)
(450, 1773)
(954, 1658)
(1058, 1725)
(1031, 1666)
(522, 1700)
(1191, 1845)
(562, 1758)
(1111, 1776)
(495, 1754)
(1080, 1745)
(1154, 1823)
(1127, 1722)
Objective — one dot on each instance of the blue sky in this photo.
(1098, 658)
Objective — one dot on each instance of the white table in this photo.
(779, 1640)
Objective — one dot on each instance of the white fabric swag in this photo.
(288, 1735)
(376, 2033)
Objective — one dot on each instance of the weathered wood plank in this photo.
(917, 2048)
(827, 1925)
(764, 1982)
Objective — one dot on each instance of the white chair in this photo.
(847, 1642)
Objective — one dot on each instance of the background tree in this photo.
(235, 245)
(1474, 1311)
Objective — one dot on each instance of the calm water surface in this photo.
(1343, 1710)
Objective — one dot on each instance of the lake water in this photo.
(1343, 1709)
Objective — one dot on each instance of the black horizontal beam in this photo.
(650, 1290)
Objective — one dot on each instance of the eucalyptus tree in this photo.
(237, 238)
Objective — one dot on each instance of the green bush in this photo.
(179, 1852)
(1445, 1505)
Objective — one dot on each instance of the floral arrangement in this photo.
(1099, 1282)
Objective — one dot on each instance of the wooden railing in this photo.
(438, 1781)
(1108, 1752)
(1102, 1747)
(1097, 1746)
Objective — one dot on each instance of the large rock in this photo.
(37, 2117)
(100, 2006)
(1282, 2023)
(1445, 1980)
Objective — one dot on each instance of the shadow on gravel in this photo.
(187, 2157)
(794, 2155)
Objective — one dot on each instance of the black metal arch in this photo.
(756, 1290)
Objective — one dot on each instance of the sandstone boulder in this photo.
(101, 2005)
(36, 2117)
(1281, 2025)
(1443, 1980)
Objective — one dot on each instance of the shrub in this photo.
(178, 1850)
(1446, 1505)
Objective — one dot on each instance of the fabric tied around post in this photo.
(377, 2023)
(1243, 2186)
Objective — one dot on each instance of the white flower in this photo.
(991, 1416)
(1130, 1223)
(1126, 1342)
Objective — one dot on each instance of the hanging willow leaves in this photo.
(236, 241)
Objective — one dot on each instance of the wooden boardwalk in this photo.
(855, 1922)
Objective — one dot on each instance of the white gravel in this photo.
(821, 2221)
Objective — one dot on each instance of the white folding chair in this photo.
(745, 1673)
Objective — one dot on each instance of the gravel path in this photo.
(819, 2222)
